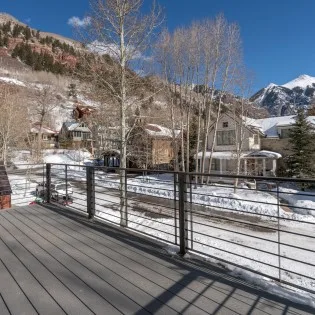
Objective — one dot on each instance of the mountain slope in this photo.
(281, 100)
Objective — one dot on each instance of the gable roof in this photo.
(250, 123)
(46, 130)
(268, 126)
(5, 187)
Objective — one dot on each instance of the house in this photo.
(276, 132)
(48, 135)
(151, 146)
(5, 188)
(239, 138)
(75, 134)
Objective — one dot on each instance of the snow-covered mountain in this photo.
(281, 100)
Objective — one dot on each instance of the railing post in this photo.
(90, 191)
(279, 240)
(48, 183)
(183, 222)
(123, 198)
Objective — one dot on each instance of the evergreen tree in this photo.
(5, 41)
(16, 30)
(27, 33)
(72, 90)
(301, 137)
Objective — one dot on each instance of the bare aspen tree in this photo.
(43, 104)
(240, 113)
(13, 125)
(231, 56)
(166, 59)
(119, 28)
(214, 36)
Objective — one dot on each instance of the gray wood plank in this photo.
(103, 270)
(119, 292)
(97, 295)
(169, 293)
(148, 278)
(206, 296)
(40, 299)
(134, 287)
(12, 294)
(4, 310)
(216, 291)
(68, 290)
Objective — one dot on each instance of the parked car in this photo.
(58, 190)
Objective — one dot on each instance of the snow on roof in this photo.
(223, 155)
(160, 131)
(35, 129)
(78, 126)
(269, 125)
(230, 155)
(251, 122)
(266, 154)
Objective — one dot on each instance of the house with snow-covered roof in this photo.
(238, 137)
(151, 146)
(49, 136)
(75, 134)
(276, 132)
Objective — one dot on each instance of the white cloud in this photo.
(77, 22)
(28, 20)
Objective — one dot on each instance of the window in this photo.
(256, 139)
(225, 124)
(215, 165)
(226, 137)
(86, 136)
(77, 134)
(45, 137)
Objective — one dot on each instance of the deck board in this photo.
(55, 261)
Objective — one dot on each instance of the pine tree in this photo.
(72, 90)
(27, 33)
(301, 137)
(5, 41)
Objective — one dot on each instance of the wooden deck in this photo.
(53, 261)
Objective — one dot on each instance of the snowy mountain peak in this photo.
(270, 86)
(281, 100)
(303, 81)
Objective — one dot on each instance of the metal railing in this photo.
(24, 179)
(266, 228)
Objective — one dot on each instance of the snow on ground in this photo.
(301, 202)
(23, 158)
(12, 81)
(215, 196)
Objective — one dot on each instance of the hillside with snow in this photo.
(281, 100)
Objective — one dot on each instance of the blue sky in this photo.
(277, 35)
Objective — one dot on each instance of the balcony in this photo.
(77, 259)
